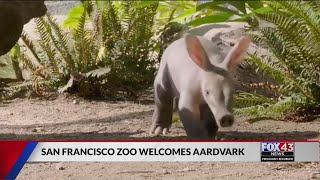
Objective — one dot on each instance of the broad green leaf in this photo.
(255, 4)
(223, 17)
(184, 4)
(73, 17)
(240, 5)
(208, 5)
(184, 15)
(262, 10)
(215, 6)
(71, 24)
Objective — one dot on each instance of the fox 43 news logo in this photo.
(277, 151)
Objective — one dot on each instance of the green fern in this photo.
(275, 110)
(129, 39)
(27, 62)
(122, 39)
(82, 43)
(293, 38)
(30, 45)
(48, 48)
(244, 99)
(60, 42)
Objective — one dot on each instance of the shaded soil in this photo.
(303, 114)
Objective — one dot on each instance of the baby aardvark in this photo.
(191, 71)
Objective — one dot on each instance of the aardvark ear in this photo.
(237, 53)
(197, 52)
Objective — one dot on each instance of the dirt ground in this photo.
(68, 119)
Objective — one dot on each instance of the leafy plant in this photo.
(7, 73)
(292, 34)
(130, 45)
(171, 11)
(14, 55)
(74, 17)
(226, 11)
(112, 48)
(171, 19)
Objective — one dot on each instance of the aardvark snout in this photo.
(226, 120)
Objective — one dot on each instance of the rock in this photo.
(60, 167)
(165, 171)
(225, 36)
(185, 170)
(13, 15)
(315, 175)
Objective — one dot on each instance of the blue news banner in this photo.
(308, 151)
